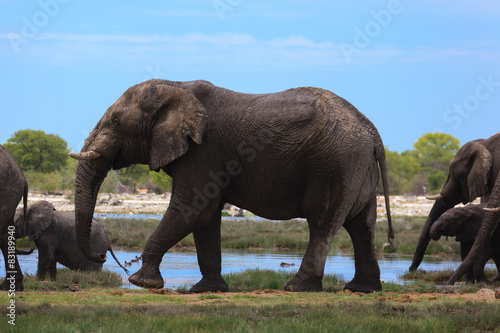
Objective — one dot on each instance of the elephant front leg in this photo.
(465, 247)
(53, 270)
(208, 249)
(172, 229)
(43, 267)
(169, 232)
(481, 263)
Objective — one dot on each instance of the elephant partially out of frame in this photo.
(464, 223)
(54, 235)
(13, 188)
(472, 174)
(302, 152)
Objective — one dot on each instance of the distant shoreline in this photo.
(147, 203)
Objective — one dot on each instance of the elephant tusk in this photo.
(434, 197)
(88, 155)
(494, 210)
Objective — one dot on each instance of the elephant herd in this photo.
(301, 153)
(53, 232)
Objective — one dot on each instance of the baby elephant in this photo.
(54, 235)
(464, 223)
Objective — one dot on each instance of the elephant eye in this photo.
(116, 122)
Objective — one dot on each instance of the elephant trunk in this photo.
(436, 232)
(87, 183)
(488, 226)
(439, 207)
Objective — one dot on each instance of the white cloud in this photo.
(229, 49)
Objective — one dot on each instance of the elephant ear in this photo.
(473, 217)
(468, 232)
(177, 116)
(40, 217)
(480, 165)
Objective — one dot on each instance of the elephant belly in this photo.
(78, 263)
(279, 205)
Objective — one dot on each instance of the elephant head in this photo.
(39, 217)
(462, 222)
(152, 123)
(469, 177)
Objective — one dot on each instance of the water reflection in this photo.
(181, 268)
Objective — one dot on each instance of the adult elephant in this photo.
(472, 174)
(487, 233)
(464, 223)
(54, 235)
(303, 152)
(13, 188)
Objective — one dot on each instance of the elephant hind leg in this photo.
(10, 271)
(361, 229)
(208, 249)
(321, 232)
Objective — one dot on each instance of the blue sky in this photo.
(411, 67)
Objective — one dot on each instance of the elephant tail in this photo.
(25, 207)
(380, 155)
(116, 259)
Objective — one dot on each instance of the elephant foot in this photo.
(148, 276)
(209, 285)
(357, 286)
(301, 282)
(18, 284)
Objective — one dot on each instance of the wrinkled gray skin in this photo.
(54, 235)
(472, 174)
(464, 223)
(13, 188)
(303, 152)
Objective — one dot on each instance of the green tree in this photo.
(162, 181)
(38, 151)
(433, 152)
(402, 169)
(138, 176)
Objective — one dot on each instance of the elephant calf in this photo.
(54, 235)
(464, 223)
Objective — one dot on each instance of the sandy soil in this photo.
(157, 204)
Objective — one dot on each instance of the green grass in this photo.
(128, 233)
(261, 307)
(104, 310)
(67, 279)
(285, 235)
(259, 279)
(442, 276)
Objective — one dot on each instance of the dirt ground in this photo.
(157, 204)
(484, 294)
